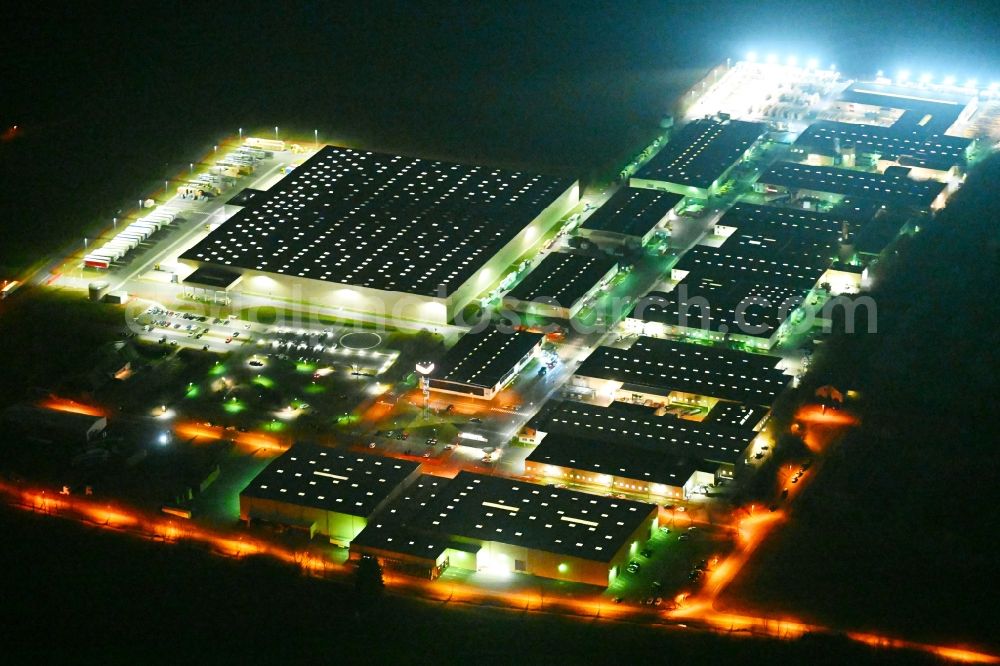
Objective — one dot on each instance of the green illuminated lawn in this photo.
(261, 380)
(234, 406)
(274, 426)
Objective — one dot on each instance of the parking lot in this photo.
(674, 561)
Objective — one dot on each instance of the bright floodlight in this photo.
(970, 83)
(752, 56)
(164, 438)
(792, 60)
(813, 63)
(926, 77)
(771, 58)
(949, 80)
(903, 75)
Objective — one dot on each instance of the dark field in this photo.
(110, 598)
(898, 532)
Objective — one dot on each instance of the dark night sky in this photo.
(113, 97)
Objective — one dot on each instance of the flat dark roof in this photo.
(212, 276)
(877, 234)
(484, 358)
(734, 306)
(632, 211)
(920, 146)
(381, 221)
(389, 529)
(639, 427)
(560, 521)
(785, 222)
(735, 414)
(943, 108)
(660, 366)
(330, 479)
(33, 416)
(762, 265)
(615, 458)
(702, 151)
(859, 184)
(563, 278)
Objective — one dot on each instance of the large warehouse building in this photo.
(892, 188)
(660, 454)
(748, 288)
(632, 216)
(700, 157)
(483, 362)
(502, 526)
(325, 491)
(385, 235)
(561, 284)
(666, 372)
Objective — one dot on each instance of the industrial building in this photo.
(931, 155)
(893, 188)
(749, 286)
(385, 235)
(742, 258)
(661, 452)
(632, 216)
(699, 158)
(786, 222)
(561, 284)
(58, 426)
(665, 372)
(325, 491)
(738, 310)
(843, 228)
(483, 363)
(397, 546)
(905, 108)
(502, 526)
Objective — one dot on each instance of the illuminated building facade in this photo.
(484, 362)
(504, 526)
(325, 491)
(385, 235)
(659, 453)
(663, 372)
